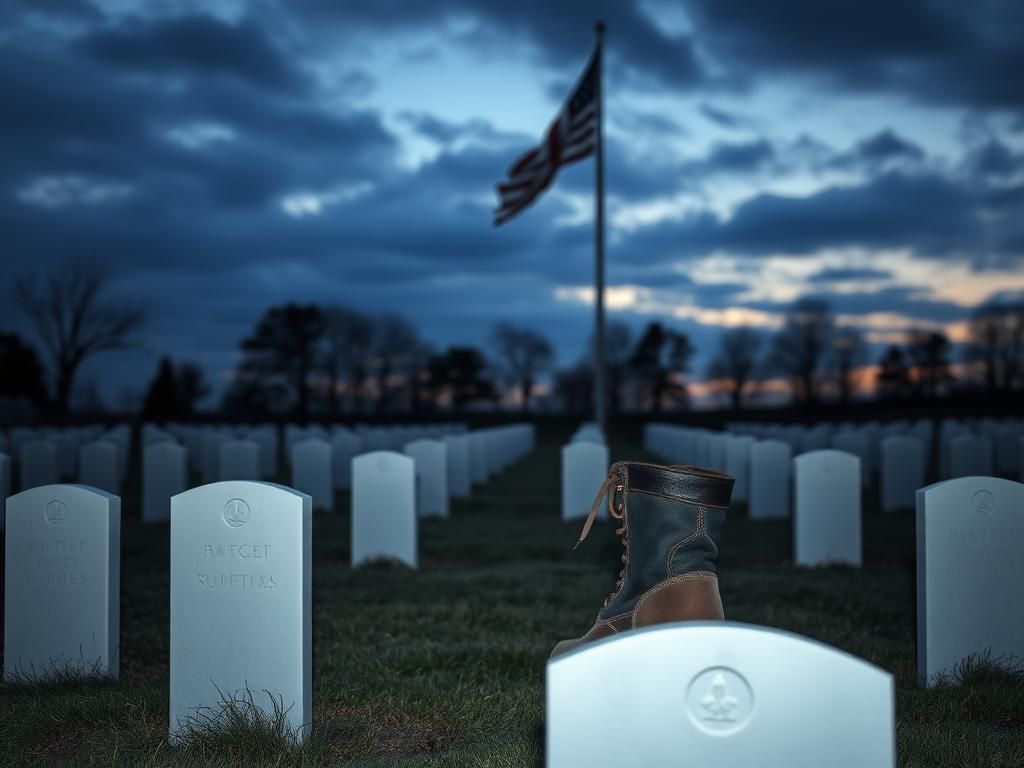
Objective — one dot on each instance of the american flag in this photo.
(571, 137)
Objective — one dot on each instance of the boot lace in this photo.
(612, 487)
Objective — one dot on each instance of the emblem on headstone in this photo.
(236, 513)
(55, 512)
(983, 502)
(719, 701)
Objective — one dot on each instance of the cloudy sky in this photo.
(226, 156)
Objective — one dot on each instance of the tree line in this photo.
(333, 361)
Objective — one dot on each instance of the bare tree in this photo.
(997, 342)
(661, 359)
(929, 359)
(192, 387)
(734, 364)
(280, 355)
(800, 346)
(75, 319)
(348, 349)
(397, 349)
(846, 354)
(524, 355)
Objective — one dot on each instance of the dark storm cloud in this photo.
(200, 44)
(928, 213)
(849, 274)
(725, 118)
(877, 151)
(944, 52)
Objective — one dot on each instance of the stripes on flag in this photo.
(572, 136)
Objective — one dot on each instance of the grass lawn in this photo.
(445, 666)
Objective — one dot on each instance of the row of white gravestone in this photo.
(584, 468)
(241, 569)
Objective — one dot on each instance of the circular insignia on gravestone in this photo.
(383, 465)
(55, 512)
(719, 701)
(983, 502)
(236, 513)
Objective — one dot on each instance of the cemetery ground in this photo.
(445, 666)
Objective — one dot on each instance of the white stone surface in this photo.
(311, 471)
(458, 465)
(5, 485)
(902, 471)
(737, 464)
(584, 469)
(99, 465)
(970, 564)
(827, 509)
(858, 444)
(970, 455)
(718, 694)
(241, 601)
(62, 582)
(38, 464)
(769, 480)
(431, 459)
(345, 446)
(164, 474)
(384, 508)
(240, 460)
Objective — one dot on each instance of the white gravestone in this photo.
(240, 460)
(737, 464)
(826, 524)
(212, 442)
(345, 446)
(164, 474)
(5, 484)
(38, 464)
(718, 694)
(584, 469)
(62, 582)
(856, 443)
(458, 465)
(384, 508)
(311, 471)
(902, 471)
(431, 477)
(769, 479)
(970, 563)
(970, 455)
(241, 602)
(99, 465)
(266, 438)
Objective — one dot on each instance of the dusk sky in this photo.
(226, 156)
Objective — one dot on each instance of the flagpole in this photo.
(599, 351)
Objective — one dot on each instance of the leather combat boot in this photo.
(670, 523)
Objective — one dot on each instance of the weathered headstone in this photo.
(38, 464)
(240, 460)
(241, 603)
(584, 469)
(384, 508)
(5, 484)
(62, 583)
(718, 694)
(970, 455)
(164, 474)
(458, 465)
(431, 477)
(345, 446)
(902, 472)
(311, 471)
(826, 520)
(970, 554)
(769, 479)
(737, 464)
(99, 465)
